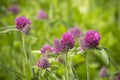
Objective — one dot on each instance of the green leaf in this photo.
(108, 58)
(13, 71)
(8, 30)
(74, 75)
(63, 77)
(104, 54)
(53, 75)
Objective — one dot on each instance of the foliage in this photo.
(100, 15)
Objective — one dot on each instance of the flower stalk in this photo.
(87, 65)
(66, 67)
(23, 45)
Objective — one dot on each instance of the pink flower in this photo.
(43, 63)
(75, 32)
(41, 15)
(67, 41)
(91, 40)
(46, 48)
(57, 45)
(13, 9)
(22, 22)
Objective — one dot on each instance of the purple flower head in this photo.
(82, 44)
(75, 32)
(91, 39)
(22, 22)
(118, 77)
(45, 48)
(57, 45)
(13, 9)
(103, 72)
(26, 29)
(43, 63)
(67, 41)
(41, 15)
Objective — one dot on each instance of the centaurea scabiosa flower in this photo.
(103, 72)
(41, 15)
(91, 39)
(67, 41)
(75, 32)
(43, 63)
(46, 48)
(13, 9)
(23, 24)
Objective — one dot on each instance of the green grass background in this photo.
(100, 15)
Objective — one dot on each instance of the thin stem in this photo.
(8, 30)
(25, 66)
(87, 66)
(66, 67)
(53, 75)
(23, 45)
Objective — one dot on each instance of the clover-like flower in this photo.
(21, 22)
(43, 63)
(13, 9)
(46, 48)
(91, 39)
(57, 45)
(75, 32)
(67, 41)
(41, 15)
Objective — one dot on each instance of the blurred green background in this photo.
(100, 15)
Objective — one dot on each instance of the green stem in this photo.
(25, 61)
(87, 66)
(23, 46)
(66, 67)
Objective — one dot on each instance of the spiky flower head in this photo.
(41, 15)
(67, 41)
(46, 48)
(13, 9)
(75, 32)
(91, 39)
(43, 63)
(103, 72)
(21, 22)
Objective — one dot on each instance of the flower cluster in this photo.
(57, 45)
(89, 40)
(92, 38)
(41, 15)
(46, 48)
(67, 41)
(43, 63)
(23, 24)
(75, 32)
(13, 9)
